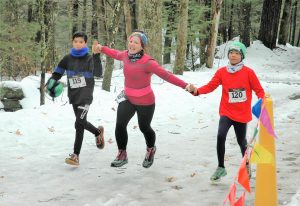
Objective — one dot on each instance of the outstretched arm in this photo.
(113, 53)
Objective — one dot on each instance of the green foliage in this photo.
(19, 52)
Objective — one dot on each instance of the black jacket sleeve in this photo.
(97, 65)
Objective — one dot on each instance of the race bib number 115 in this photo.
(77, 81)
(237, 95)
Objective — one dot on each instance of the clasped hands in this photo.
(191, 88)
(96, 47)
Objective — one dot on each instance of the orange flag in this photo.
(243, 177)
(240, 201)
(231, 195)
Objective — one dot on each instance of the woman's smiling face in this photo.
(134, 45)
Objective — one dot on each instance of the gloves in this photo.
(54, 87)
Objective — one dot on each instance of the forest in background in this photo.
(36, 34)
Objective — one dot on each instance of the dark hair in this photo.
(80, 34)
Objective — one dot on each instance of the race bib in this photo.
(77, 81)
(237, 95)
(121, 97)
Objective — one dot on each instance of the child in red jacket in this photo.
(238, 81)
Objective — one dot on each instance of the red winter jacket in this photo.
(138, 76)
(236, 92)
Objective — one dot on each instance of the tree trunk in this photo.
(223, 24)
(245, 29)
(112, 30)
(230, 36)
(94, 28)
(75, 16)
(284, 23)
(181, 37)
(102, 19)
(128, 18)
(30, 13)
(150, 16)
(298, 41)
(294, 24)
(171, 9)
(213, 33)
(269, 23)
(41, 6)
(84, 16)
(205, 32)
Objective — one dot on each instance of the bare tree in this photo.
(150, 15)
(84, 16)
(204, 33)
(41, 14)
(94, 27)
(112, 30)
(171, 8)
(181, 37)
(130, 16)
(269, 23)
(284, 23)
(75, 9)
(213, 33)
(245, 28)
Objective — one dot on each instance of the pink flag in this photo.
(240, 201)
(266, 122)
(231, 195)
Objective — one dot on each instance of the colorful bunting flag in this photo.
(266, 122)
(256, 109)
(243, 177)
(260, 155)
(240, 201)
(231, 195)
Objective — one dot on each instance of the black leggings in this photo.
(240, 131)
(126, 110)
(81, 123)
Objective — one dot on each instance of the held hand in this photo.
(191, 89)
(96, 47)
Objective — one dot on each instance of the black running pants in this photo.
(81, 123)
(125, 112)
(240, 131)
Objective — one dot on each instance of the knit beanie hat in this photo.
(239, 47)
(142, 36)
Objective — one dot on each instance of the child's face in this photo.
(78, 43)
(134, 45)
(234, 57)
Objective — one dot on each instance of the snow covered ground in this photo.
(36, 140)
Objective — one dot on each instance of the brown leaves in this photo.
(170, 179)
(18, 133)
(51, 129)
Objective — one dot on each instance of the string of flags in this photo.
(258, 155)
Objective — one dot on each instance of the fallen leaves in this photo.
(18, 133)
(170, 179)
(51, 129)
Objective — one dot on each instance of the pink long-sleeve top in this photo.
(138, 76)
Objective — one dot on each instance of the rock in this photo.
(11, 105)
(294, 96)
(11, 93)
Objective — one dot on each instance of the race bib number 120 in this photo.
(237, 95)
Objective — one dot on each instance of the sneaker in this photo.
(120, 160)
(220, 172)
(149, 158)
(248, 166)
(100, 138)
(73, 159)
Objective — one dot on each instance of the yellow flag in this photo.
(260, 155)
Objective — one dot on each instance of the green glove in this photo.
(54, 87)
